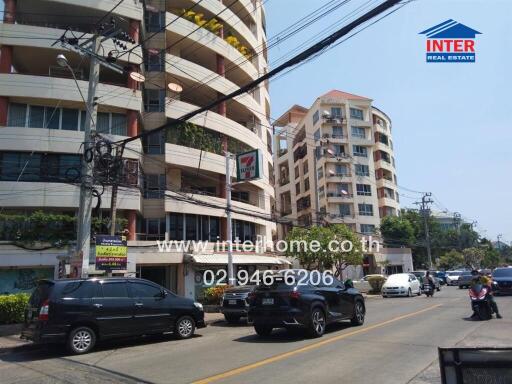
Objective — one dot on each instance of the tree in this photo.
(397, 231)
(452, 259)
(473, 257)
(321, 247)
(492, 257)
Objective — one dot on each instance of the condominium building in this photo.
(334, 163)
(190, 59)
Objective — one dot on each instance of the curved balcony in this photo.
(219, 123)
(382, 182)
(52, 88)
(383, 147)
(172, 205)
(20, 35)
(209, 42)
(189, 157)
(58, 195)
(388, 202)
(128, 9)
(52, 140)
(230, 19)
(186, 69)
(385, 165)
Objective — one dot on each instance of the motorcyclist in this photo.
(430, 281)
(479, 278)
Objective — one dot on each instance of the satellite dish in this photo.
(138, 77)
(331, 172)
(330, 152)
(343, 192)
(175, 87)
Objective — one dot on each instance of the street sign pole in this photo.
(231, 279)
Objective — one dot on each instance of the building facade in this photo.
(334, 163)
(188, 59)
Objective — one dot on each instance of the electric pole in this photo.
(425, 212)
(85, 207)
(231, 278)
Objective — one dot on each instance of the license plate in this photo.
(267, 301)
(232, 302)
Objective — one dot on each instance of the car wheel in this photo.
(81, 340)
(409, 293)
(438, 289)
(185, 327)
(317, 323)
(263, 330)
(359, 312)
(232, 319)
(385, 296)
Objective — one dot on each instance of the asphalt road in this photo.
(397, 344)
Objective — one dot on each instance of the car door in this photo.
(414, 283)
(346, 298)
(152, 307)
(113, 308)
(332, 297)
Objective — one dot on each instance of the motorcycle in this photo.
(428, 290)
(480, 302)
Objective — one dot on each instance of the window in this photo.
(341, 170)
(358, 132)
(80, 290)
(337, 132)
(297, 171)
(70, 119)
(367, 229)
(356, 113)
(344, 210)
(154, 100)
(342, 189)
(320, 173)
(36, 117)
(142, 290)
(102, 122)
(316, 135)
(154, 143)
(119, 124)
(306, 184)
(155, 21)
(360, 151)
(117, 289)
(297, 188)
(365, 210)
(339, 149)
(305, 168)
(336, 112)
(52, 118)
(321, 191)
(316, 117)
(154, 186)
(17, 115)
(362, 170)
(364, 189)
(155, 62)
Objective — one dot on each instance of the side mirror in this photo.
(163, 294)
(349, 284)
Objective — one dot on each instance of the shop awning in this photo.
(222, 258)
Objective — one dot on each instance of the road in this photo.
(397, 344)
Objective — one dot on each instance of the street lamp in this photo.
(62, 61)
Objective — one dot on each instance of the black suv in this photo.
(235, 303)
(288, 304)
(80, 311)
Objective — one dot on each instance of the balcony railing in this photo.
(333, 120)
(339, 194)
(284, 180)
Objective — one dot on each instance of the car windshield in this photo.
(503, 272)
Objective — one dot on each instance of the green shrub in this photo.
(212, 295)
(12, 308)
(376, 282)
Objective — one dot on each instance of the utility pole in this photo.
(457, 220)
(231, 278)
(425, 212)
(115, 187)
(85, 207)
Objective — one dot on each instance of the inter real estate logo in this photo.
(450, 42)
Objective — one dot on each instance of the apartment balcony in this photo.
(192, 72)
(383, 147)
(383, 182)
(361, 140)
(59, 195)
(338, 197)
(380, 128)
(210, 44)
(337, 120)
(381, 163)
(360, 123)
(30, 37)
(53, 88)
(338, 177)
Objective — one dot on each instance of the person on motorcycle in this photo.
(479, 278)
(430, 281)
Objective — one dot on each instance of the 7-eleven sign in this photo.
(248, 165)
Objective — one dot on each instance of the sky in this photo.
(452, 122)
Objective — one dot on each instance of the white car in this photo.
(452, 277)
(401, 284)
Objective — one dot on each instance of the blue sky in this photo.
(451, 122)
